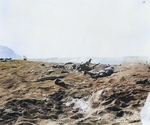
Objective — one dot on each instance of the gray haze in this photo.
(75, 28)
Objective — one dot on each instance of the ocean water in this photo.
(104, 60)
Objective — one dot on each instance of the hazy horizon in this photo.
(96, 60)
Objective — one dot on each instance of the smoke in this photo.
(145, 113)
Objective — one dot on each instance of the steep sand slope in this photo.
(30, 96)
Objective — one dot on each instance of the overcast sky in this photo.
(73, 28)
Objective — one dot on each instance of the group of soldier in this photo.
(6, 60)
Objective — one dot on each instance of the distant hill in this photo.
(6, 52)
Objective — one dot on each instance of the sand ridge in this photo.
(112, 100)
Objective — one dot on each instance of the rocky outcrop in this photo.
(49, 78)
(61, 83)
(142, 81)
(49, 72)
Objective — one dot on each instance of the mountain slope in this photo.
(6, 52)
